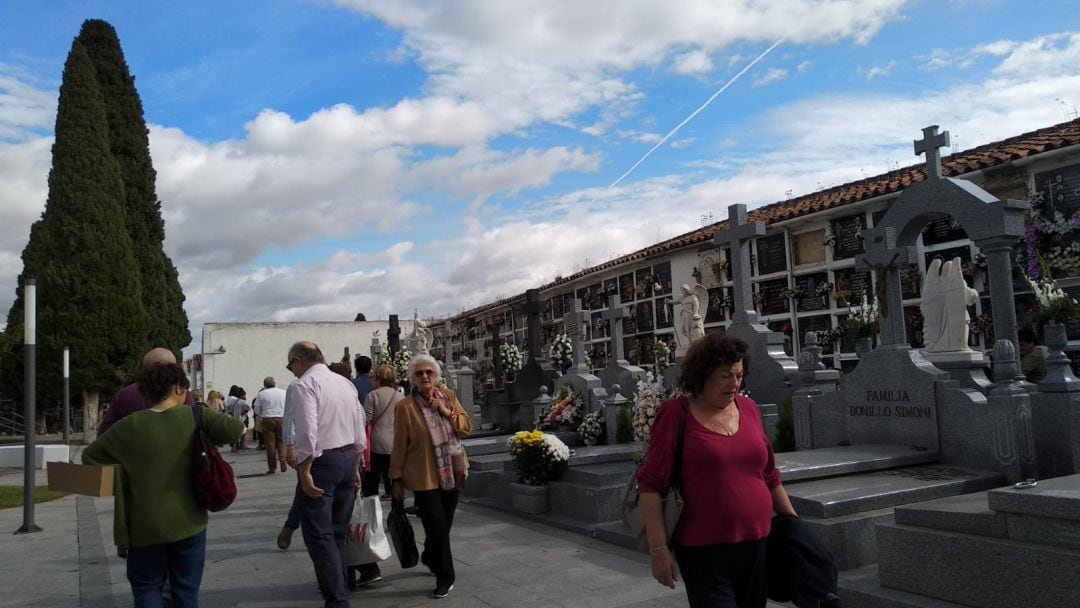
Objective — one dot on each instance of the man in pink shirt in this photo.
(329, 446)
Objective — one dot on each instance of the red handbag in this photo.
(215, 485)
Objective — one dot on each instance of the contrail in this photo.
(696, 112)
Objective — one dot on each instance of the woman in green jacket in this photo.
(163, 528)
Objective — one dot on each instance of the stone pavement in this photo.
(500, 560)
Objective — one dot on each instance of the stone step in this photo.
(844, 460)
(966, 514)
(1057, 498)
(585, 455)
(616, 533)
(480, 446)
(860, 588)
(602, 473)
(586, 503)
(836, 496)
(490, 462)
(977, 570)
(852, 539)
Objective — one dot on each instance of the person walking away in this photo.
(429, 459)
(271, 401)
(363, 382)
(379, 407)
(329, 447)
(128, 400)
(237, 407)
(728, 480)
(165, 528)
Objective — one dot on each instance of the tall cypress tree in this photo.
(130, 145)
(81, 255)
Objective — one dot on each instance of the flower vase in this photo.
(863, 346)
(1058, 369)
(532, 500)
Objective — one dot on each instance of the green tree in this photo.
(81, 255)
(129, 142)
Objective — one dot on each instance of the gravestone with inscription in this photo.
(771, 369)
(578, 377)
(619, 371)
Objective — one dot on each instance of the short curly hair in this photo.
(708, 353)
(156, 382)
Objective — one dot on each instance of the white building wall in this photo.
(256, 350)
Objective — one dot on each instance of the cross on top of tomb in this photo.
(929, 145)
(737, 236)
(532, 308)
(575, 322)
(614, 316)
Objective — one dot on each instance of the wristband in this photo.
(656, 549)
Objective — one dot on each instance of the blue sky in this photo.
(316, 159)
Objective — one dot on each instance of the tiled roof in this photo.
(983, 157)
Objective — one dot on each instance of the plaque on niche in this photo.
(771, 254)
(910, 281)
(611, 287)
(943, 230)
(1059, 190)
(964, 253)
(851, 285)
(662, 277)
(644, 316)
(644, 283)
(819, 324)
(626, 287)
(809, 284)
(808, 247)
(665, 314)
(771, 295)
(848, 234)
(711, 268)
(715, 312)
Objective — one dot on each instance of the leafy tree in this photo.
(81, 255)
(129, 143)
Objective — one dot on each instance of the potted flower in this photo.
(510, 360)
(822, 291)
(591, 428)
(794, 293)
(1053, 307)
(561, 353)
(651, 394)
(536, 455)
(863, 324)
(564, 414)
(842, 296)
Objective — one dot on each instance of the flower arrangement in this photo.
(864, 324)
(661, 355)
(1051, 242)
(510, 359)
(592, 427)
(651, 394)
(562, 352)
(793, 293)
(719, 268)
(1052, 304)
(536, 454)
(401, 366)
(984, 324)
(913, 319)
(823, 290)
(565, 411)
(842, 296)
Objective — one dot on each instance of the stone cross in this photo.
(737, 236)
(929, 145)
(883, 256)
(393, 336)
(575, 322)
(614, 316)
(532, 309)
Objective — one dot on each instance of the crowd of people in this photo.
(343, 435)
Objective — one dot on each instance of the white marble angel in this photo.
(421, 337)
(945, 300)
(691, 320)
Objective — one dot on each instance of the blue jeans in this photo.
(181, 562)
(725, 575)
(324, 522)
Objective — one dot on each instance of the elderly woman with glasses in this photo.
(428, 459)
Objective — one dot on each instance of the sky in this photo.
(317, 159)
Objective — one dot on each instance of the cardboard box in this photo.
(81, 478)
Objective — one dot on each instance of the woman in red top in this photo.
(728, 480)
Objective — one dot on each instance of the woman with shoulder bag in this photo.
(728, 480)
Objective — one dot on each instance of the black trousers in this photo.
(380, 471)
(725, 575)
(436, 509)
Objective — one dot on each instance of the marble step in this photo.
(966, 514)
(837, 496)
(1057, 498)
(480, 446)
(585, 502)
(977, 570)
(844, 460)
(602, 473)
(860, 588)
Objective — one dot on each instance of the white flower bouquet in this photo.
(592, 427)
(562, 353)
(536, 454)
(510, 359)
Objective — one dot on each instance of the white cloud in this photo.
(694, 63)
(1051, 54)
(771, 76)
(803, 67)
(26, 111)
(879, 70)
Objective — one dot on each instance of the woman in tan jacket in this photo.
(429, 460)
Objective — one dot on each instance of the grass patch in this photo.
(12, 496)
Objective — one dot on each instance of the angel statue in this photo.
(691, 321)
(945, 300)
(421, 337)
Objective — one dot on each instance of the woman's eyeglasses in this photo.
(424, 372)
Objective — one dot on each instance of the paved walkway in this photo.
(500, 560)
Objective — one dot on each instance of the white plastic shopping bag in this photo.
(366, 537)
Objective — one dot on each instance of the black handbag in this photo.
(401, 535)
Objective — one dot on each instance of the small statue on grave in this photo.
(946, 297)
(421, 337)
(692, 323)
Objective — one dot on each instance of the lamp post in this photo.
(67, 396)
(29, 405)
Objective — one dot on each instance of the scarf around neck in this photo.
(450, 462)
